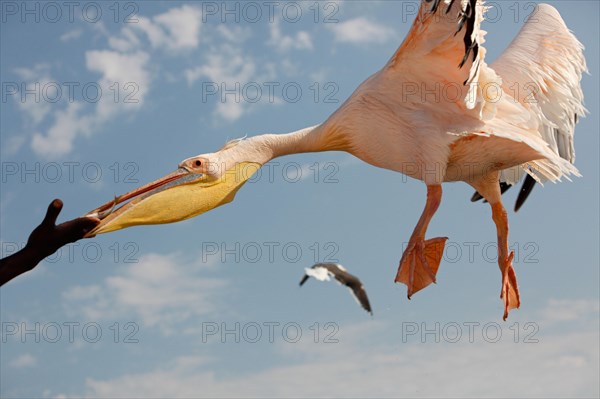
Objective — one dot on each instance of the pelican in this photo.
(323, 272)
(436, 112)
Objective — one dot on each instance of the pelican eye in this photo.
(198, 163)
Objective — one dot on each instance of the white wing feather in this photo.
(320, 273)
(542, 68)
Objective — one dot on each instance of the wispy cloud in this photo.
(68, 124)
(34, 79)
(162, 290)
(127, 71)
(74, 118)
(174, 30)
(125, 66)
(24, 361)
(71, 35)
(234, 34)
(568, 310)
(566, 364)
(227, 67)
(361, 31)
(301, 41)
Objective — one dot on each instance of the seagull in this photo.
(323, 272)
(437, 112)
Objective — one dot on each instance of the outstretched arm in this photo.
(44, 240)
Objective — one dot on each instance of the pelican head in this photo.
(200, 183)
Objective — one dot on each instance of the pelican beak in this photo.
(177, 196)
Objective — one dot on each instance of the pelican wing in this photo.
(444, 46)
(542, 68)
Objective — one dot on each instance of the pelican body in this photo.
(436, 112)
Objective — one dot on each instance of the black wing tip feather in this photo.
(476, 197)
(367, 307)
(470, 14)
(303, 280)
(526, 189)
(467, 18)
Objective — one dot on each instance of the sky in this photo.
(101, 97)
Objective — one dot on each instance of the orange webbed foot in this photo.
(510, 290)
(419, 264)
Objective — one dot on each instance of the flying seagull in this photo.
(323, 272)
(436, 112)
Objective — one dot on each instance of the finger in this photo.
(52, 213)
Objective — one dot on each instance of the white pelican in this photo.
(487, 124)
(323, 272)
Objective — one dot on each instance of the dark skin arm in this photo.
(44, 240)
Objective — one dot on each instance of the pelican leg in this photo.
(421, 259)
(510, 290)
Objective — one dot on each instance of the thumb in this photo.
(52, 213)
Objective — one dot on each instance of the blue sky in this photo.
(125, 92)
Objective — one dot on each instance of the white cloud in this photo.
(283, 43)
(34, 73)
(23, 361)
(566, 310)
(183, 27)
(227, 64)
(361, 31)
(357, 366)
(126, 66)
(175, 30)
(71, 35)
(162, 290)
(38, 81)
(118, 67)
(68, 124)
(126, 41)
(227, 68)
(129, 73)
(234, 34)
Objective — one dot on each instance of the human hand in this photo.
(48, 237)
